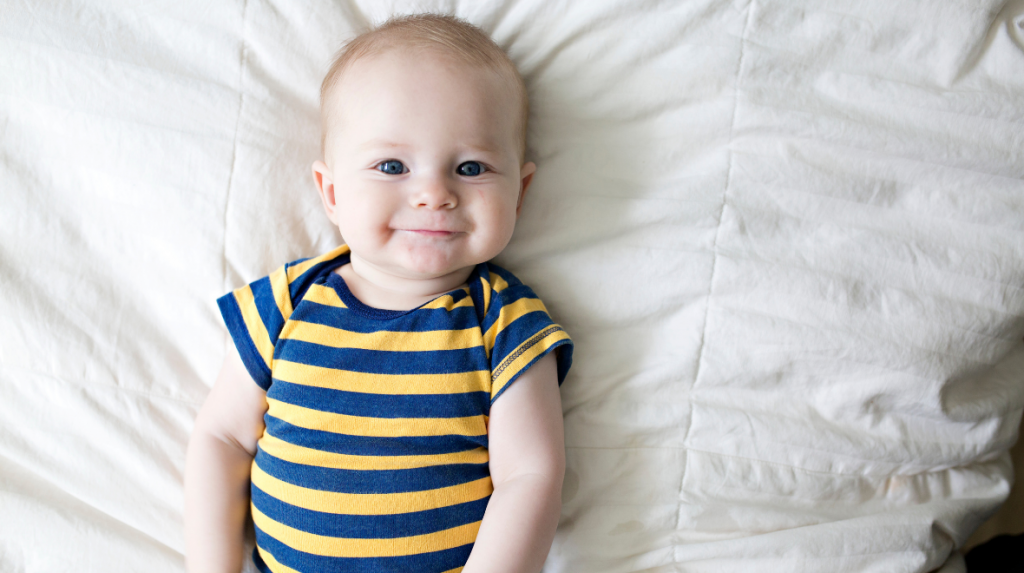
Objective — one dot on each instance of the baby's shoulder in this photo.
(301, 274)
(499, 279)
(504, 294)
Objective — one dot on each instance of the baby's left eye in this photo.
(392, 167)
(470, 169)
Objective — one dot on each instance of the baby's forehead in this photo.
(454, 63)
(502, 95)
(394, 74)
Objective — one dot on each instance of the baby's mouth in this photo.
(438, 233)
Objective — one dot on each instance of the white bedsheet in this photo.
(787, 237)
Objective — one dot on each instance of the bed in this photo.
(787, 237)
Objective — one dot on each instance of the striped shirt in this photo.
(374, 456)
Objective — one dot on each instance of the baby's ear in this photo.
(525, 178)
(324, 181)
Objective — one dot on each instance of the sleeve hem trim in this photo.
(554, 336)
(251, 357)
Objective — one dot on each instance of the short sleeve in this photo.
(517, 332)
(255, 315)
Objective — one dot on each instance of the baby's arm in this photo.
(527, 462)
(217, 467)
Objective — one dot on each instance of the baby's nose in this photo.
(435, 193)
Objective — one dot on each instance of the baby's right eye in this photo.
(392, 167)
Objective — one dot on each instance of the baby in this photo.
(393, 404)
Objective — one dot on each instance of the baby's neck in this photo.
(382, 290)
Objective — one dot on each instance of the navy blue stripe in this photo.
(440, 319)
(369, 445)
(476, 290)
(263, 294)
(383, 361)
(521, 330)
(339, 285)
(335, 281)
(503, 299)
(435, 562)
(511, 279)
(315, 273)
(258, 561)
(563, 357)
(381, 405)
(369, 526)
(370, 481)
(243, 342)
(458, 296)
(423, 320)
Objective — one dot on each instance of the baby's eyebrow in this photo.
(479, 147)
(374, 143)
(485, 148)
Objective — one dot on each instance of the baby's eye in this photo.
(470, 169)
(392, 167)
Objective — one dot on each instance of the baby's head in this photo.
(439, 35)
(424, 127)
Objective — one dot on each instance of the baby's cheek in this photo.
(502, 233)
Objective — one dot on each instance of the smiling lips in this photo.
(431, 233)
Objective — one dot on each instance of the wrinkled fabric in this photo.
(787, 236)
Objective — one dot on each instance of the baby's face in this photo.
(423, 155)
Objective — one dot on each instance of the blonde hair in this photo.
(443, 33)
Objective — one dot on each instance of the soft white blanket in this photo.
(787, 237)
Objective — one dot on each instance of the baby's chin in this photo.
(433, 266)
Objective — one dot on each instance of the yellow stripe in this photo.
(341, 547)
(523, 355)
(456, 570)
(448, 302)
(308, 456)
(370, 503)
(385, 339)
(391, 384)
(296, 271)
(375, 427)
(273, 563)
(254, 324)
(283, 298)
(324, 295)
(497, 283)
(510, 313)
(486, 289)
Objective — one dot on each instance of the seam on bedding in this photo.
(791, 57)
(893, 105)
(1010, 315)
(1012, 285)
(981, 227)
(885, 154)
(714, 259)
(841, 474)
(831, 558)
(234, 160)
(879, 338)
(861, 362)
(784, 465)
(887, 231)
(825, 272)
(978, 449)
